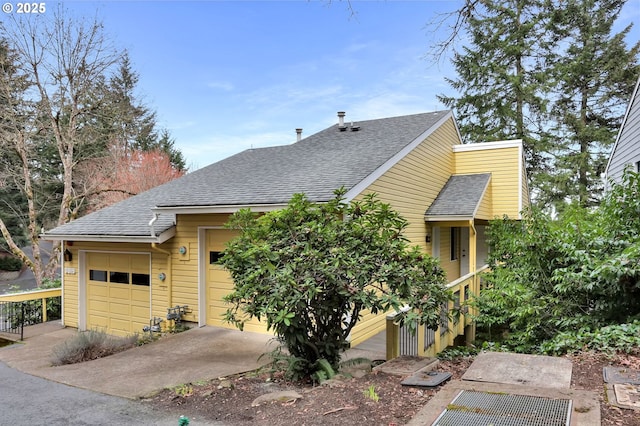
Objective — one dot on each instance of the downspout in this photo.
(154, 247)
(62, 274)
(470, 330)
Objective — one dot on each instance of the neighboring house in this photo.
(626, 149)
(132, 261)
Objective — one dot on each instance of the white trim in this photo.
(366, 182)
(164, 236)
(450, 218)
(62, 274)
(435, 241)
(218, 209)
(202, 273)
(520, 182)
(82, 290)
(82, 282)
(481, 146)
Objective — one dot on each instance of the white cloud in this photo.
(222, 85)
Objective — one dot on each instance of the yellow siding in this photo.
(368, 326)
(504, 166)
(485, 210)
(185, 267)
(410, 186)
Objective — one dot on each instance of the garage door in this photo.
(118, 292)
(219, 282)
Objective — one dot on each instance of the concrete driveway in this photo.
(198, 354)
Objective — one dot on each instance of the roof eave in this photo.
(448, 218)
(158, 239)
(231, 208)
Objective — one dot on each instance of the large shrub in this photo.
(310, 270)
(578, 272)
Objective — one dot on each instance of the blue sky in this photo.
(225, 76)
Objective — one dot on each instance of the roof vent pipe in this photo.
(341, 115)
(298, 134)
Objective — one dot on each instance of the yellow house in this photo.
(129, 263)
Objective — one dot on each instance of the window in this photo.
(637, 166)
(119, 277)
(455, 243)
(214, 257)
(140, 279)
(95, 275)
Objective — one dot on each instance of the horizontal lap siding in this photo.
(185, 267)
(504, 166)
(627, 150)
(485, 210)
(410, 186)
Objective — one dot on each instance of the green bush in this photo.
(551, 277)
(612, 338)
(310, 271)
(8, 263)
(88, 345)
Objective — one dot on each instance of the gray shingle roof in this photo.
(316, 166)
(460, 196)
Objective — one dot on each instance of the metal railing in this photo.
(429, 342)
(27, 308)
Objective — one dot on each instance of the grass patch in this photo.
(88, 345)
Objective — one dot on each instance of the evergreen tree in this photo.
(550, 73)
(130, 124)
(593, 76)
(166, 144)
(499, 79)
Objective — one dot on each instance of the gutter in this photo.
(169, 278)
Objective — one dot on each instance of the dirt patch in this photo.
(587, 374)
(353, 400)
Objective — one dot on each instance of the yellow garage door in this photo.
(219, 282)
(118, 292)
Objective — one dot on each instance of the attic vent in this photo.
(298, 134)
(341, 125)
(354, 128)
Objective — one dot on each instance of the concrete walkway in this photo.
(194, 355)
(497, 373)
(199, 354)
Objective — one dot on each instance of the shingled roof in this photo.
(460, 196)
(316, 166)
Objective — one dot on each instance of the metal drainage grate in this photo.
(481, 409)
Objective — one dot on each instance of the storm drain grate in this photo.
(481, 409)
